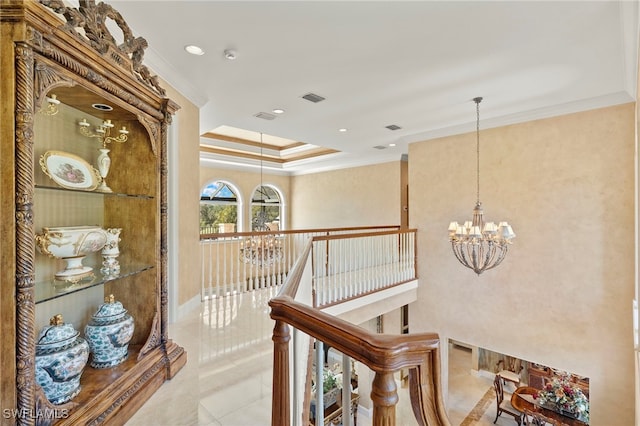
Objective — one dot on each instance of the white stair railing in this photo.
(223, 271)
(350, 266)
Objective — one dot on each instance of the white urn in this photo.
(110, 252)
(104, 163)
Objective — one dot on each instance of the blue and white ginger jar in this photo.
(109, 332)
(61, 355)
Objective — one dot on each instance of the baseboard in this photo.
(186, 308)
(484, 373)
(365, 412)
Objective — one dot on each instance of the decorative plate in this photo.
(69, 171)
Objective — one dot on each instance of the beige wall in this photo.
(563, 296)
(187, 175)
(246, 182)
(637, 213)
(360, 196)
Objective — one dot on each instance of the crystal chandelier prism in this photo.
(263, 249)
(478, 245)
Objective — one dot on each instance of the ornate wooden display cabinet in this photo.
(50, 49)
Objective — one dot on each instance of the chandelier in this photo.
(478, 245)
(263, 249)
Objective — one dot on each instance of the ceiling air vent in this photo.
(380, 147)
(265, 116)
(312, 97)
(393, 127)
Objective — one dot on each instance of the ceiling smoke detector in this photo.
(312, 97)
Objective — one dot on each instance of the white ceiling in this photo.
(416, 64)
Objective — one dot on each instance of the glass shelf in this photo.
(111, 194)
(52, 289)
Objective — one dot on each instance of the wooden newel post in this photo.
(384, 396)
(280, 405)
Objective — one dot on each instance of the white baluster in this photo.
(217, 280)
(342, 259)
(354, 274)
(225, 268)
(332, 270)
(346, 390)
(319, 383)
(235, 261)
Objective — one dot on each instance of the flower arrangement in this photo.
(331, 387)
(330, 380)
(561, 394)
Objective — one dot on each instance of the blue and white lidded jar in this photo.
(61, 355)
(109, 332)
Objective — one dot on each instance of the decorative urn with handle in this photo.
(109, 332)
(73, 244)
(110, 252)
(61, 355)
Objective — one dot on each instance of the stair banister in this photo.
(384, 354)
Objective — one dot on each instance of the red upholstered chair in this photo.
(503, 406)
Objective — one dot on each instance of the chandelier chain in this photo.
(264, 248)
(477, 101)
(261, 191)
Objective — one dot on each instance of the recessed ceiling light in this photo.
(392, 144)
(278, 111)
(230, 54)
(194, 50)
(102, 107)
(342, 130)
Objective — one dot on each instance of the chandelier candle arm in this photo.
(478, 245)
(52, 105)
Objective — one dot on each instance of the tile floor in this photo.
(227, 379)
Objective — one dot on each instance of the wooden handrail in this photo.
(384, 354)
(362, 234)
(380, 352)
(293, 231)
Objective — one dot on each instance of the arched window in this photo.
(266, 209)
(218, 208)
